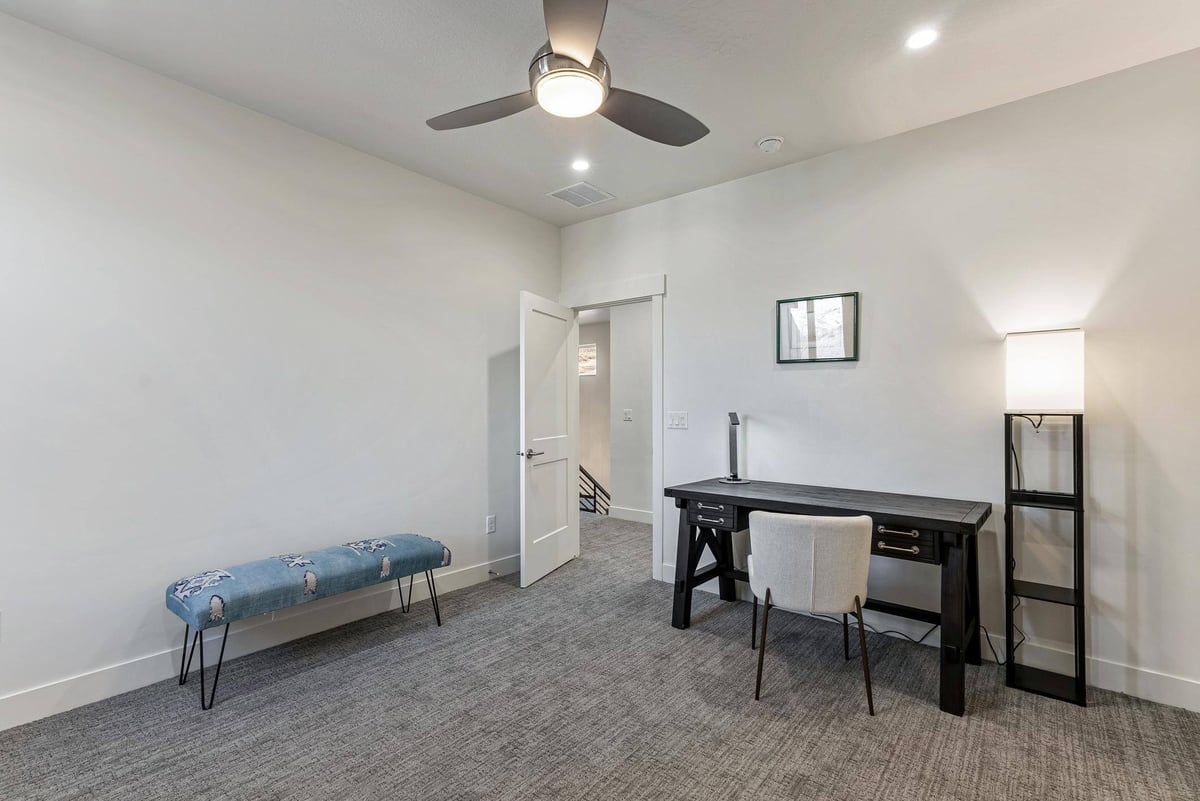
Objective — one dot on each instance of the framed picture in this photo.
(587, 359)
(821, 328)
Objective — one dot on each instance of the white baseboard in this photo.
(245, 637)
(633, 515)
(1162, 688)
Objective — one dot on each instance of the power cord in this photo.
(1037, 429)
(1020, 642)
(925, 636)
(1020, 485)
(889, 631)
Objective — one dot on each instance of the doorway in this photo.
(616, 454)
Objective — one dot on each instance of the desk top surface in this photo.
(917, 511)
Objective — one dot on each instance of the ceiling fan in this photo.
(569, 77)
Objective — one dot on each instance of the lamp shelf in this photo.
(1051, 593)
(1050, 684)
(1045, 500)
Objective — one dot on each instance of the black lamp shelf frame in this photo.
(1072, 688)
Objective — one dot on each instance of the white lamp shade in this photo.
(1045, 371)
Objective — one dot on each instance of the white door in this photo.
(549, 435)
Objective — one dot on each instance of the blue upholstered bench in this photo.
(220, 597)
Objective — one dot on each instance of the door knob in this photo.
(530, 453)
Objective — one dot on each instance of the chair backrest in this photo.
(810, 564)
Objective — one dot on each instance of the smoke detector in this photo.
(770, 144)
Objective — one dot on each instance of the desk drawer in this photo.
(707, 519)
(710, 508)
(903, 543)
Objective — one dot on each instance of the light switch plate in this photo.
(627, 415)
(677, 419)
(490, 524)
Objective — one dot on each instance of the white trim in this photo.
(628, 290)
(1151, 685)
(632, 290)
(1162, 688)
(658, 476)
(254, 634)
(633, 515)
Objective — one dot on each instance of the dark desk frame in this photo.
(931, 530)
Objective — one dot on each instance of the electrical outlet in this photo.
(627, 415)
(489, 524)
(677, 419)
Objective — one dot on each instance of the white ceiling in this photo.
(824, 74)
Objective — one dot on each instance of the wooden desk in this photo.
(931, 530)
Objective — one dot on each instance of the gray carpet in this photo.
(579, 688)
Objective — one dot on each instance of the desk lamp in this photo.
(732, 478)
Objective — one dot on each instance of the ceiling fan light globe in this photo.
(569, 93)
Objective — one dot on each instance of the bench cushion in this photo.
(217, 597)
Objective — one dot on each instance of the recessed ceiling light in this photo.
(922, 38)
(580, 165)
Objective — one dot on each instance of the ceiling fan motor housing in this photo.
(546, 62)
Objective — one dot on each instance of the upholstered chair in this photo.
(810, 564)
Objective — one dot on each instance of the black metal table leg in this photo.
(433, 596)
(954, 624)
(216, 676)
(681, 610)
(404, 607)
(186, 667)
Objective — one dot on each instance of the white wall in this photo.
(225, 338)
(1077, 207)
(630, 341)
(594, 396)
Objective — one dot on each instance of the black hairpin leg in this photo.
(185, 667)
(404, 607)
(437, 611)
(216, 677)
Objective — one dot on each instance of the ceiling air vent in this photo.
(581, 195)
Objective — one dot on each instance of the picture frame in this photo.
(817, 328)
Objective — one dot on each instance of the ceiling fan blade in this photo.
(652, 118)
(482, 112)
(574, 27)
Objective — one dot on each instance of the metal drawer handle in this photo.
(704, 519)
(883, 546)
(715, 508)
(886, 530)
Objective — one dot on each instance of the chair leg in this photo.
(846, 635)
(862, 643)
(762, 644)
(753, 620)
(437, 609)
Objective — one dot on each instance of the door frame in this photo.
(650, 288)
